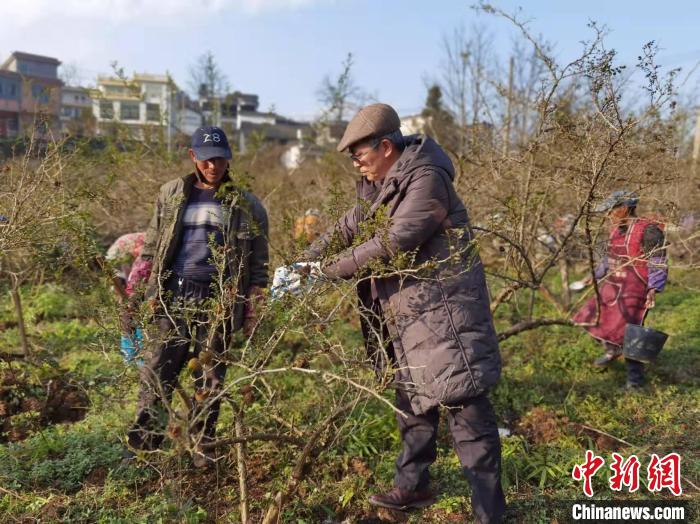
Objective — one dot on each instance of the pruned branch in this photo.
(533, 324)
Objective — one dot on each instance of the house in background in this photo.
(30, 100)
(239, 116)
(329, 133)
(413, 124)
(189, 117)
(76, 111)
(145, 106)
(229, 111)
(271, 129)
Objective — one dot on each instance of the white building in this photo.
(144, 105)
(188, 116)
(76, 110)
(412, 124)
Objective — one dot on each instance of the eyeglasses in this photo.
(373, 145)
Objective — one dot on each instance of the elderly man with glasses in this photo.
(424, 305)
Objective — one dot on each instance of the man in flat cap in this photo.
(632, 271)
(198, 219)
(427, 319)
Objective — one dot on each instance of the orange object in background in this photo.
(308, 226)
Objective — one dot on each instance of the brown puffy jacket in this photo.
(437, 315)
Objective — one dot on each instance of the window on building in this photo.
(114, 90)
(129, 111)
(153, 112)
(8, 89)
(8, 126)
(106, 109)
(153, 91)
(40, 93)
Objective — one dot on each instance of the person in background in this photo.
(633, 270)
(124, 254)
(307, 226)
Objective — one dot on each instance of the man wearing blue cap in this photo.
(632, 271)
(207, 239)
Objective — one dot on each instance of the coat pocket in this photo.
(244, 243)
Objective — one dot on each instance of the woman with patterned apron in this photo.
(632, 272)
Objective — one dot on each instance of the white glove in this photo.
(289, 279)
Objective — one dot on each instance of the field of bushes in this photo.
(307, 431)
(66, 408)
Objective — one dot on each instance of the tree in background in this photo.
(439, 122)
(341, 94)
(467, 65)
(209, 83)
(70, 74)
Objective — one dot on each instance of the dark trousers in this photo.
(476, 441)
(635, 372)
(183, 326)
(635, 369)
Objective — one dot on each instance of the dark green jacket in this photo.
(245, 239)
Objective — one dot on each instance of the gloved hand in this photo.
(131, 347)
(295, 278)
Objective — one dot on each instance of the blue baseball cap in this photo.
(210, 142)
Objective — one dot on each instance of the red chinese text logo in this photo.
(661, 473)
(625, 473)
(586, 471)
(665, 473)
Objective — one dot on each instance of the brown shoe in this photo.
(401, 499)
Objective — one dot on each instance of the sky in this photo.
(282, 49)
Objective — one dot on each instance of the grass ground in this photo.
(555, 404)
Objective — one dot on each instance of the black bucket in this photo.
(642, 343)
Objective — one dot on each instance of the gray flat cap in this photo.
(371, 121)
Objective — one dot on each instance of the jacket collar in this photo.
(376, 194)
(367, 190)
(189, 180)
